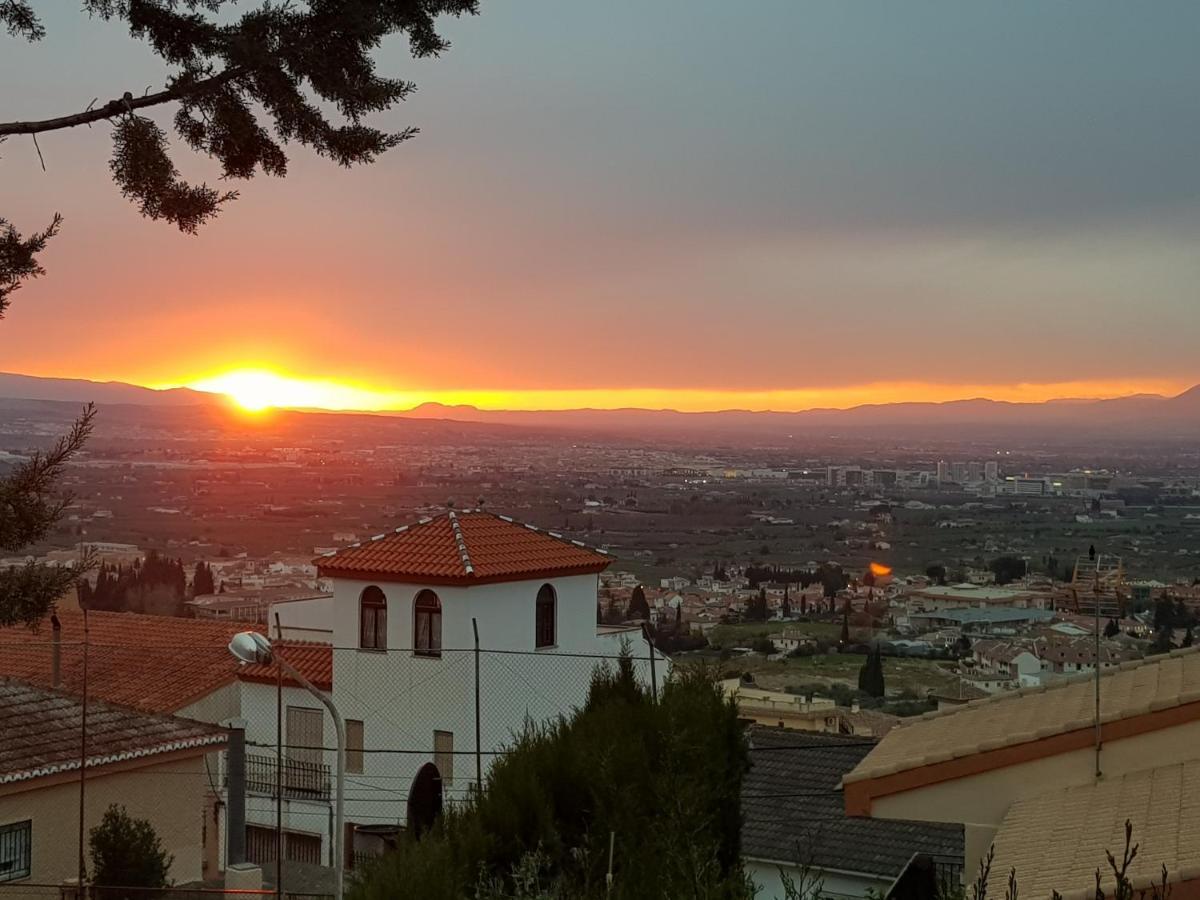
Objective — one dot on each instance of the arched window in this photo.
(427, 624)
(372, 619)
(543, 629)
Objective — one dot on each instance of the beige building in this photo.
(777, 709)
(1025, 770)
(151, 765)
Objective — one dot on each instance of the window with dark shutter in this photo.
(544, 614)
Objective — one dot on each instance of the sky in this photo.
(684, 203)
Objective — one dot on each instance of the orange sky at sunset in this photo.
(833, 216)
(255, 389)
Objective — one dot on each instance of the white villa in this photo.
(406, 608)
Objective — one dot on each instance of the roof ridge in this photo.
(460, 540)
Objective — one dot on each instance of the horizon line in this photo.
(260, 388)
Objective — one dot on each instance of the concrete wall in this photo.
(303, 620)
(981, 801)
(171, 794)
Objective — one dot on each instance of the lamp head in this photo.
(251, 647)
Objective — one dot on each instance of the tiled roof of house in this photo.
(150, 663)
(1031, 714)
(793, 810)
(41, 731)
(1056, 841)
(468, 547)
(313, 661)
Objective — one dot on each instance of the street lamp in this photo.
(252, 647)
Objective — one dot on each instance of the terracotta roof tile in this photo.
(149, 663)
(41, 731)
(468, 547)
(313, 661)
(1056, 841)
(1027, 715)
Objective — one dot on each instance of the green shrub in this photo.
(663, 779)
(127, 853)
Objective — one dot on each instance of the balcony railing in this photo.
(301, 779)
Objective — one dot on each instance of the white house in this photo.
(408, 607)
(395, 648)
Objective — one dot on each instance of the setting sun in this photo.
(255, 390)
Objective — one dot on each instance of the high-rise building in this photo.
(974, 472)
(991, 470)
(943, 472)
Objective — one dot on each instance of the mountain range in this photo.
(1167, 416)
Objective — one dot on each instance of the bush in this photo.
(763, 644)
(126, 852)
(664, 779)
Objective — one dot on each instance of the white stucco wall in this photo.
(303, 620)
(403, 698)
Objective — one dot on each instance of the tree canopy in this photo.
(28, 513)
(243, 87)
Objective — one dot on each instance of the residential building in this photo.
(159, 665)
(978, 619)
(1033, 766)
(794, 820)
(152, 765)
(407, 607)
(247, 604)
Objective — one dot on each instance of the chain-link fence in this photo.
(422, 728)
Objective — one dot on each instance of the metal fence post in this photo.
(653, 675)
(478, 726)
(235, 806)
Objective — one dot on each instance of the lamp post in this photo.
(252, 647)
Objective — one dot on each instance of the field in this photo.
(743, 635)
(919, 676)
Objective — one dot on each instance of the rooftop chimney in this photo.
(55, 652)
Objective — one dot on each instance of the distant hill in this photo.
(1148, 415)
(1118, 414)
(79, 390)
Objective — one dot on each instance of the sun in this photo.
(255, 390)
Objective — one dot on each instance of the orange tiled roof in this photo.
(149, 663)
(469, 547)
(313, 661)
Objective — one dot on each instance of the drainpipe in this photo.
(55, 652)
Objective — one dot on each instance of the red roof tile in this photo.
(41, 731)
(150, 663)
(469, 547)
(313, 661)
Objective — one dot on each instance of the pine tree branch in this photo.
(128, 103)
